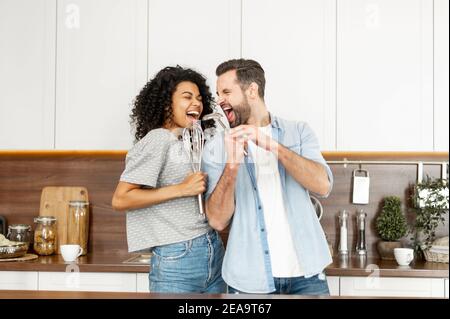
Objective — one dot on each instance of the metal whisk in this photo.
(193, 141)
(219, 118)
(216, 117)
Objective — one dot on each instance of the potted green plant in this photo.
(430, 201)
(391, 226)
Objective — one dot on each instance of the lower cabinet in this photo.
(142, 282)
(18, 280)
(138, 282)
(333, 285)
(446, 288)
(392, 287)
(87, 281)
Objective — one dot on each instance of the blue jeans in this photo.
(315, 285)
(192, 266)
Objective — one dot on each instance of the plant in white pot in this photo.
(431, 205)
(391, 226)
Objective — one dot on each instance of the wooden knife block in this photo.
(55, 202)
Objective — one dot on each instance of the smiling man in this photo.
(260, 174)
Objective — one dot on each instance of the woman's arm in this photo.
(131, 196)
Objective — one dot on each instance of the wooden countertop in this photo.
(113, 262)
(40, 294)
(90, 263)
(355, 266)
(328, 155)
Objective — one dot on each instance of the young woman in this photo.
(159, 190)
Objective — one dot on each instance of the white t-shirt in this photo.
(282, 252)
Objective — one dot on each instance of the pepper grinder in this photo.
(343, 223)
(361, 248)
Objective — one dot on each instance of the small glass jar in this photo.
(45, 235)
(20, 233)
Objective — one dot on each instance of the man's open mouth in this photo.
(229, 113)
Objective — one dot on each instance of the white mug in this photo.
(404, 256)
(71, 252)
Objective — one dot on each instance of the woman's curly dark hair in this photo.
(152, 108)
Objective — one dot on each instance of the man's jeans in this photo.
(315, 285)
(190, 266)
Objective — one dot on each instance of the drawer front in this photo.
(94, 281)
(333, 285)
(18, 280)
(392, 287)
(446, 288)
(142, 282)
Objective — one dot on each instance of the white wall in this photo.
(366, 74)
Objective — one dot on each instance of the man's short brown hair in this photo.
(247, 71)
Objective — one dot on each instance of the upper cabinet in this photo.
(366, 75)
(101, 66)
(295, 42)
(385, 75)
(198, 34)
(441, 54)
(27, 73)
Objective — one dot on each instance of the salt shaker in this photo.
(343, 223)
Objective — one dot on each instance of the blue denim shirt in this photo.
(247, 266)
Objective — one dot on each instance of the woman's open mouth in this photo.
(193, 115)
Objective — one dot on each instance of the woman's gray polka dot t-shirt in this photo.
(155, 161)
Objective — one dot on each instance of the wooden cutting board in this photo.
(55, 202)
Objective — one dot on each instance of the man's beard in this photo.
(241, 113)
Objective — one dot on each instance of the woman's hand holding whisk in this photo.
(194, 184)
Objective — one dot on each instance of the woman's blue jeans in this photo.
(192, 266)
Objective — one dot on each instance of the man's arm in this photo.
(220, 204)
(309, 174)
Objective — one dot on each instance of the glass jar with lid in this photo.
(20, 233)
(45, 235)
(78, 224)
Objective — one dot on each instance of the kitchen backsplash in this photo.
(24, 175)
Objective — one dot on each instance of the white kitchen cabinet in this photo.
(27, 73)
(333, 285)
(441, 74)
(18, 280)
(385, 75)
(87, 281)
(198, 34)
(446, 288)
(142, 283)
(392, 287)
(295, 42)
(101, 67)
